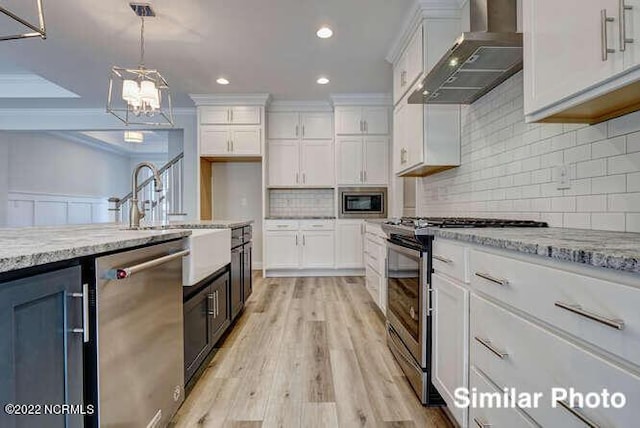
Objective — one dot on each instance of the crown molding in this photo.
(362, 99)
(230, 99)
(421, 10)
(293, 106)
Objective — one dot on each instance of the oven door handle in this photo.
(404, 250)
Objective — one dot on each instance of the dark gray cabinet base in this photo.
(41, 355)
(206, 317)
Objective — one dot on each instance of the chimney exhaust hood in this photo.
(479, 60)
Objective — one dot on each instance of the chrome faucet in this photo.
(135, 214)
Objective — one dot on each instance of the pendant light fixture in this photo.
(37, 30)
(140, 96)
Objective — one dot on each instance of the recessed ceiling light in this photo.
(324, 32)
(322, 81)
(222, 81)
(453, 62)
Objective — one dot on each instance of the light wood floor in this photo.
(307, 352)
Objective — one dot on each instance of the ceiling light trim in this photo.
(39, 30)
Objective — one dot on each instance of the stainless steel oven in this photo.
(363, 202)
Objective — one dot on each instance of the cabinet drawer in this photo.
(375, 254)
(451, 259)
(551, 294)
(373, 280)
(520, 354)
(317, 225)
(494, 417)
(281, 225)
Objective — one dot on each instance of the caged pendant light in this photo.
(37, 30)
(140, 96)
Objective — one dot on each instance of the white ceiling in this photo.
(259, 45)
(155, 142)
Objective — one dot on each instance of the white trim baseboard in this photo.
(288, 273)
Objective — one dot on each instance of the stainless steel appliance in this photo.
(138, 301)
(363, 202)
(409, 268)
(479, 60)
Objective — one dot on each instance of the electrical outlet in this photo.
(562, 177)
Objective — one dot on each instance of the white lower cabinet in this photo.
(517, 353)
(450, 342)
(494, 417)
(317, 249)
(299, 245)
(282, 250)
(349, 244)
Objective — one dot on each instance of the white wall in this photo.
(92, 119)
(237, 194)
(44, 163)
(4, 179)
(509, 168)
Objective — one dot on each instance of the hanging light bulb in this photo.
(130, 91)
(143, 89)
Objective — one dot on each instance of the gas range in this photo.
(414, 225)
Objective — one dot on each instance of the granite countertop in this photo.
(199, 224)
(32, 246)
(612, 250)
(305, 217)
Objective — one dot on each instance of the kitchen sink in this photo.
(210, 251)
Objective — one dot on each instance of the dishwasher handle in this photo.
(127, 272)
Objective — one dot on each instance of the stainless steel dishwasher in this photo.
(140, 336)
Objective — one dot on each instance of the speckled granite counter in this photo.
(612, 250)
(306, 217)
(200, 224)
(33, 246)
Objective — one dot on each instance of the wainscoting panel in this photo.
(40, 209)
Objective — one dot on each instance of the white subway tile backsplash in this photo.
(592, 203)
(509, 168)
(609, 184)
(592, 168)
(624, 163)
(606, 148)
(592, 133)
(301, 202)
(608, 221)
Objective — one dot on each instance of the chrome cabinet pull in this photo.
(588, 422)
(304, 178)
(303, 241)
(85, 312)
(481, 424)
(217, 304)
(361, 128)
(228, 115)
(603, 34)
(211, 301)
(364, 173)
(623, 25)
(366, 127)
(491, 278)
(487, 344)
(442, 259)
(231, 112)
(297, 129)
(296, 239)
(618, 324)
(127, 272)
(303, 130)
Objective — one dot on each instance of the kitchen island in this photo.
(82, 303)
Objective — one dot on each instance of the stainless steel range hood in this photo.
(479, 60)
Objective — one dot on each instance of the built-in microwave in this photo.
(363, 202)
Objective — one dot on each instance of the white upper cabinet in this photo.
(225, 115)
(293, 125)
(283, 125)
(376, 160)
(349, 160)
(577, 52)
(359, 120)
(317, 126)
(218, 140)
(300, 149)
(316, 163)
(214, 140)
(363, 160)
(409, 66)
(283, 160)
(427, 138)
